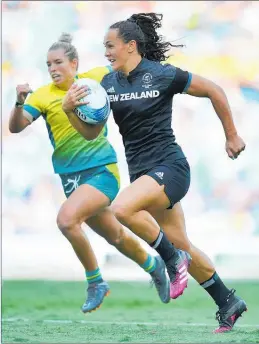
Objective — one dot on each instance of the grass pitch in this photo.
(49, 312)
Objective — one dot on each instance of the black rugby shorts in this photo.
(175, 176)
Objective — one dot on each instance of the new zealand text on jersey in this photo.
(134, 95)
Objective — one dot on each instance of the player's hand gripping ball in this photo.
(97, 108)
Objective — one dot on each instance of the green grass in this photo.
(28, 305)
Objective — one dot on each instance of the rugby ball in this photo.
(98, 108)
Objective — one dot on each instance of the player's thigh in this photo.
(172, 221)
(160, 188)
(106, 225)
(84, 202)
(143, 193)
(90, 191)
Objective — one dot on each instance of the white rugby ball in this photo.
(98, 108)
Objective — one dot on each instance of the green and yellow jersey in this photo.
(72, 152)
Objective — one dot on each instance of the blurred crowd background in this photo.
(220, 42)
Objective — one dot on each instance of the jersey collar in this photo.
(135, 71)
(138, 68)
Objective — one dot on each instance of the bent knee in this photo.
(65, 222)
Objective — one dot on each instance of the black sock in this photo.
(163, 246)
(217, 289)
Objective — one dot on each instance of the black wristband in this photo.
(19, 105)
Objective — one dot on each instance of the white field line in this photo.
(62, 321)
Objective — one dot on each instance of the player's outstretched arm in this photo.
(201, 87)
(18, 120)
(70, 102)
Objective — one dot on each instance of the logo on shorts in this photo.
(160, 175)
(74, 183)
(147, 78)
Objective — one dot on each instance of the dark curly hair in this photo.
(141, 27)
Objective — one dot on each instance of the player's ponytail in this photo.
(142, 27)
(65, 42)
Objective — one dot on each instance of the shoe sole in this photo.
(168, 299)
(97, 307)
(162, 265)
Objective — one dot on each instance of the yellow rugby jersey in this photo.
(72, 152)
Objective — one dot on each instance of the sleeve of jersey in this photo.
(180, 80)
(33, 107)
(96, 73)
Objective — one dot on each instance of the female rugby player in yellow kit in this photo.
(88, 172)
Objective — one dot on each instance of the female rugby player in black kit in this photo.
(141, 92)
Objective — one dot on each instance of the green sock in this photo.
(94, 276)
(150, 264)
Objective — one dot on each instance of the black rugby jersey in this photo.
(142, 108)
